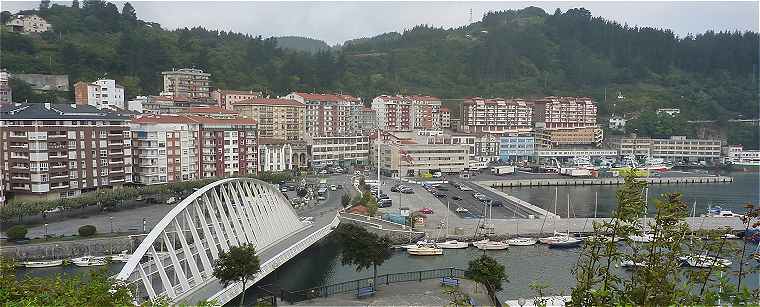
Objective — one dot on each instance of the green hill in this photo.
(511, 53)
(303, 44)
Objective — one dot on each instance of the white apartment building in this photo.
(103, 93)
(496, 115)
(737, 155)
(407, 158)
(275, 155)
(163, 148)
(676, 148)
(330, 114)
(566, 112)
(187, 84)
(405, 113)
(338, 150)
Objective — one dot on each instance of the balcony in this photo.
(64, 176)
(19, 177)
(20, 146)
(116, 144)
(62, 186)
(116, 171)
(58, 166)
(24, 167)
(117, 180)
(23, 188)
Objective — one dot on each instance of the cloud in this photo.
(336, 22)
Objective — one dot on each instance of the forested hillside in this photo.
(510, 53)
(304, 44)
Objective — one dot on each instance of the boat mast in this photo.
(554, 218)
(568, 214)
(596, 202)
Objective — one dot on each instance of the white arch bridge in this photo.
(175, 260)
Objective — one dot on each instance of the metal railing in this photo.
(354, 285)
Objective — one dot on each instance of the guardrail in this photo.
(353, 285)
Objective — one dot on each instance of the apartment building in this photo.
(401, 157)
(329, 114)
(187, 84)
(61, 150)
(737, 155)
(338, 150)
(226, 98)
(366, 120)
(565, 112)
(482, 149)
(103, 93)
(445, 118)
(568, 137)
(276, 118)
(516, 147)
(481, 115)
(674, 149)
(6, 94)
(171, 148)
(275, 155)
(27, 24)
(405, 113)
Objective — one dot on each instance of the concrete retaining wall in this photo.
(601, 181)
(393, 231)
(70, 249)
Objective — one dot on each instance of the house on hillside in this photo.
(28, 24)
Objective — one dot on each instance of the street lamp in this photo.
(110, 219)
(46, 233)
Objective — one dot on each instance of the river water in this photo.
(320, 264)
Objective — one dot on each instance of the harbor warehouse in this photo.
(413, 159)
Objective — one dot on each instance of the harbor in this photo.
(602, 181)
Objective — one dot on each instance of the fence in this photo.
(349, 286)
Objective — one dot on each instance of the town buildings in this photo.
(674, 149)
(445, 118)
(338, 150)
(275, 155)
(103, 93)
(187, 84)
(62, 150)
(276, 118)
(565, 112)
(6, 94)
(617, 123)
(573, 137)
(405, 154)
(516, 147)
(27, 24)
(406, 113)
(329, 114)
(366, 120)
(171, 148)
(226, 98)
(669, 111)
(737, 155)
(480, 115)
(482, 149)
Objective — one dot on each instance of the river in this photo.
(320, 264)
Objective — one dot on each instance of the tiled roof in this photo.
(265, 141)
(234, 92)
(57, 111)
(209, 110)
(271, 101)
(326, 97)
(444, 109)
(424, 98)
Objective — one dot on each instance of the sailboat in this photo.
(565, 240)
(453, 244)
(546, 240)
(521, 241)
(43, 263)
(644, 237)
(705, 261)
(425, 249)
(85, 261)
(487, 244)
(121, 257)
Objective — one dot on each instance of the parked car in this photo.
(456, 197)
(333, 187)
(407, 191)
(321, 198)
(340, 187)
(54, 210)
(496, 203)
(385, 203)
(395, 188)
(426, 210)
(323, 172)
(464, 188)
(283, 189)
(171, 200)
(439, 195)
(478, 195)
(442, 188)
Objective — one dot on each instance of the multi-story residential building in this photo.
(329, 114)
(669, 111)
(226, 98)
(497, 115)
(211, 111)
(406, 157)
(28, 24)
(393, 113)
(737, 155)
(675, 149)
(516, 147)
(187, 84)
(6, 94)
(445, 118)
(103, 93)
(366, 120)
(569, 137)
(170, 148)
(565, 112)
(276, 118)
(61, 150)
(275, 155)
(617, 123)
(42, 83)
(338, 150)
(404, 113)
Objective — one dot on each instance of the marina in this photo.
(601, 181)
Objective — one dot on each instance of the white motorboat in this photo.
(632, 264)
(453, 244)
(121, 257)
(42, 263)
(462, 210)
(490, 245)
(85, 261)
(644, 238)
(522, 241)
(426, 249)
(729, 236)
(704, 261)
(603, 239)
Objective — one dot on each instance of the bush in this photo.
(87, 230)
(17, 232)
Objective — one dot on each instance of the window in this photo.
(102, 134)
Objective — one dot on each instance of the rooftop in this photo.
(271, 101)
(190, 119)
(71, 111)
(326, 97)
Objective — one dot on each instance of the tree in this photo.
(128, 12)
(345, 200)
(487, 271)
(16, 232)
(362, 248)
(75, 4)
(239, 264)
(87, 230)
(372, 207)
(44, 5)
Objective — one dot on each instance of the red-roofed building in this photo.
(497, 115)
(277, 118)
(212, 112)
(330, 114)
(227, 98)
(404, 113)
(177, 147)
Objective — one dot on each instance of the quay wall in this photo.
(600, 181)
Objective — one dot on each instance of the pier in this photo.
(511, 183)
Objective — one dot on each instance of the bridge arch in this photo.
(176, 257)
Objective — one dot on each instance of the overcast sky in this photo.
(336, 22)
